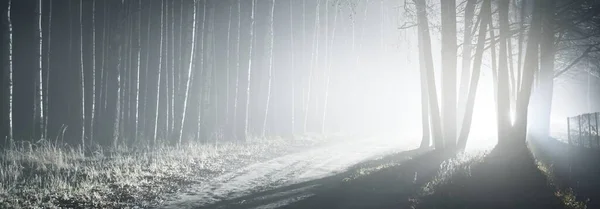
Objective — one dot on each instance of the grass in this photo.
(46, 175)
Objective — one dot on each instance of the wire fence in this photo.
(583, 130)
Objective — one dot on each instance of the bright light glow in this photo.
(512, 117)
(483, 134)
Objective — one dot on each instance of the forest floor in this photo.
(432, 179)
(45, 175)
(342, 172)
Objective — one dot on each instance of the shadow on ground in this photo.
(424, 179)
(574, 168)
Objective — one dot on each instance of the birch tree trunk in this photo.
(147, 66)
(137, 79)
(105, 44)
(199, 75)
(47, 82)
(270, 71)
(82, 75)
(237, 70)
(93, 114)
(292, 69)
(313, 63)
(159, 72)
(189, 74)
(40, 77)
(227, 70)
(247, 90)
(173, 71)
(10, 72)
(328, 70)
(167, 71)
(117, 123)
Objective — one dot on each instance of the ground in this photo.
(408, 179)
(359, 172)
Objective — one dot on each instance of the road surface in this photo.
(286, 170)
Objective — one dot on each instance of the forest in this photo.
(237, 103)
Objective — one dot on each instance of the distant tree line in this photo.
(152, 72)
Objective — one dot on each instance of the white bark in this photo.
(314, 62)
(172, 119)
(270, 72)
(10, 72)
(189, 74)
(93, 70)
(237, 68)
(137, 83)
(328, 70)
(47, 82)
(227, 78)
(117, 123)
(293, 66)
(167, 73)
(40, 78)
(159, 72)
(82, 74)
(199, 120)
(249, 70)
(147, 65)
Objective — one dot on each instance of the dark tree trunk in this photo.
(425, 44)
(484, 15)
(449, 55)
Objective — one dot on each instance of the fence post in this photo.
(589, 132)
(569, 131)
(579, 140)
(597, 139)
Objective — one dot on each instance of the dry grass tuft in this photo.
(47, 175)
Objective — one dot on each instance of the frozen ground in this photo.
(285, 170)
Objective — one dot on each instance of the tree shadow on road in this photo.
(419, 179)
(374, 181)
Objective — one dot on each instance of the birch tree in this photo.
(329, 51)
(137, 83)
(247, 89)
(292, 69)
(237, 69)
(147, 66)
(82, 76)
(40, 76)
(227, 70)
(313, 63)
(47, 82)
(160, 67)
(199, 74)
(189, 73)
(10, 71)
(93, 114)
(270, 70)
(173, 71)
